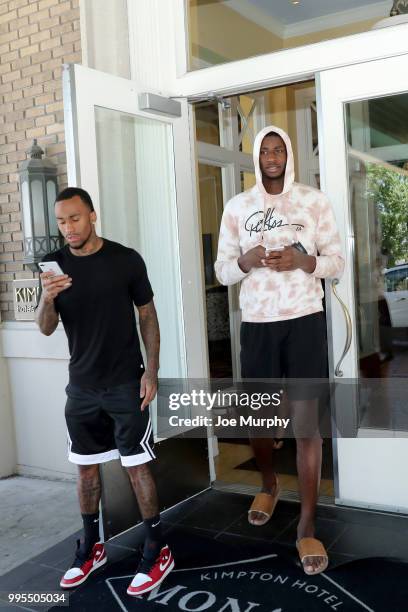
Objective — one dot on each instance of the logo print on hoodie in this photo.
(254, 224)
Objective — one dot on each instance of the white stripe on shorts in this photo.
(131, 460)
(145, 440)
(91, 459)
(147, 455)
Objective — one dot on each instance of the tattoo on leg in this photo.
(145, 490)
(89, 489)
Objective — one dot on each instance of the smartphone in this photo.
(299, 246)
(50, 266)
(270, 249)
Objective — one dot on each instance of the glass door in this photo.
(363, 138)
(137, 165)
(216, 295)
(225, 132)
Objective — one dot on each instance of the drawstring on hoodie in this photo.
(263, 221)
(287, 214)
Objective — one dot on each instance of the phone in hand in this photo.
(270, 249)
(299, 246)
(50, 266)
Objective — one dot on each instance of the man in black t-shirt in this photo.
(109, 388)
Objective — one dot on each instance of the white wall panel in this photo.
(7, 435)
(372, 472)
(38, 373)
(104, 36)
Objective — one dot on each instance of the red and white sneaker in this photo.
(82, 567)
(151, 573)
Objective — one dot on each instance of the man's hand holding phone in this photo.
(279, 259)
(289, 258)
(53, 281)
(256, 257)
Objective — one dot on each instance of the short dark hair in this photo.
(273, 134)
(70, 192)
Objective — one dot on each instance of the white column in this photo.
(142, 40)
(7, 433)
(157, 43)
(104, 36)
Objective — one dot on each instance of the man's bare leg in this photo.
(263, 450)
(145, 490)
(89, 488)
(309, 463)
(89, 495)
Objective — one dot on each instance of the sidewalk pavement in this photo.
(35, 515)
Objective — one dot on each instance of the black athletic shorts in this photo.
(105, 424)
(295, 350)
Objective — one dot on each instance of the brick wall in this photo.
(36, 38)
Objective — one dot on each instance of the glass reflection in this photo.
(222, 31)
(378, 184)
(216, 295)
(207, 122)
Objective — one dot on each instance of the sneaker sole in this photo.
(95, 567)
(151, 587)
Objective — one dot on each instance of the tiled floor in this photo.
(347, 534)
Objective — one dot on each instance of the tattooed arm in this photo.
(46, 315)
(149, 328)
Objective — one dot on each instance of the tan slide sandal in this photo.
(310, 547)
(264, 503)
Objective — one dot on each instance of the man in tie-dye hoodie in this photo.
(279, 239)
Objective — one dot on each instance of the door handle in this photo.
(349, 328)
(401, 299)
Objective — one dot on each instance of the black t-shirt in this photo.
(98, 315)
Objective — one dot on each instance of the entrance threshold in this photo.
(251, 490)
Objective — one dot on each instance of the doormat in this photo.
(239, 575)
(285, 460)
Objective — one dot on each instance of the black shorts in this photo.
(295, 349)
(105, 424)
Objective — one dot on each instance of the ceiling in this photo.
(288, 13)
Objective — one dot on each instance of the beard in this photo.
(83, 243)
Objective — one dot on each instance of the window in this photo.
(397, 280)
(222, 31)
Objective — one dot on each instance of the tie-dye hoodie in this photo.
(298, 214)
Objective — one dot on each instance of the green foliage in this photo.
(388, 190)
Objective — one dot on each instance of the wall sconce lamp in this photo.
(39, 188)
(399, 7)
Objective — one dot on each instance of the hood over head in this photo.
(290, 166)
